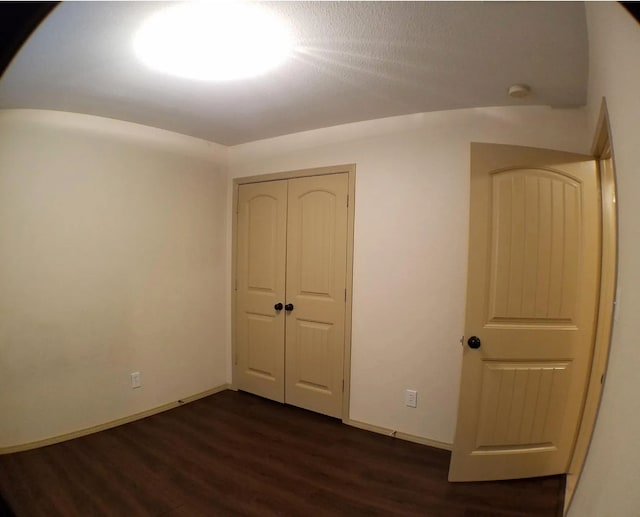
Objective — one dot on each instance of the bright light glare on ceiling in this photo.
(213, 41)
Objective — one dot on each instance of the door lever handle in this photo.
(288, 307)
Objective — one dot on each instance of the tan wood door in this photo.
(316, 283)
(292, 249)
(531, 301)
(260, 273)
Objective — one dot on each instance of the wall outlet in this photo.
(136, 380)
(411, 398)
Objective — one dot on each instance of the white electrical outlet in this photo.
(411, 398)
(136, 380)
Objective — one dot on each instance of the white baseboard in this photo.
(397, 434)
(171, 405)
(109, 425)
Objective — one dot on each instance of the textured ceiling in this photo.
(355, 61)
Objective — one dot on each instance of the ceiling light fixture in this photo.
(217, 41)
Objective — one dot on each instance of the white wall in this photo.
(114, 248)
(410, 248)
(609, 486)
(112, 259)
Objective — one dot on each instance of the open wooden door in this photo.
(532, 294)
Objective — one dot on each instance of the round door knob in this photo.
(474, 342)
(278, 306)
(288, 307)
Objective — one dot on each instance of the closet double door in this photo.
(291, 263)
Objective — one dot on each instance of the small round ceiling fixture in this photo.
(519, 91)
(217, 41)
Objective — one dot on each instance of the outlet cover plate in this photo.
(411, 398)
(136, 380)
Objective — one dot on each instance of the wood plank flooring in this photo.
(235, 454)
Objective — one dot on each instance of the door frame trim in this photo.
(350, 170)
(602, 149)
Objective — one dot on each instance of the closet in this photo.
(291, 290)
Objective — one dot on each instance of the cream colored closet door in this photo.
(260, 270)
(316, 282)
(532, 296)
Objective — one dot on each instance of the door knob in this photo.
(288, 307)
(474, 342)
(278, 306)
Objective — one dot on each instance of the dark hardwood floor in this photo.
(236, 454)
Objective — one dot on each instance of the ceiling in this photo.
(354, 61)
